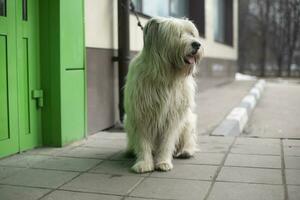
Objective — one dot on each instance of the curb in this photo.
(236, 120)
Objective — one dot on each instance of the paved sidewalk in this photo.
(215, 103)
(277, 114)
(95, 169)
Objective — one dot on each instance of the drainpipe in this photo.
(123, 51)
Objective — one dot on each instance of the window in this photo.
(24, 10)
(2, 7)
(163, 8)
(179, 8)
(197, 15)
(192, 9)
(223, 21)
(219, 20)
(156, 8)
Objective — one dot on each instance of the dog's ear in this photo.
(150, 32)
(151, 24)
(151, 27)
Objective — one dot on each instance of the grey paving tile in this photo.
(257, 141)
(215, 139)
(106, 143)
(87, 152)
(294, 192)
(8, 171)
(244, 191)
(292, 176)
(214, 147)
(122, 156)
(24, 193)
(39, 178)
(260, 149)
(68, 195)
(50, 151)
(171, 189)
(22, 160)
(288, 142)
(137, 198)
(292, 151)
(71, 164)
(116, 168)
(102, 183)
(292, 162)
(245, 160)
(202, 158)
(185, 171)
(45, 151)
(109, 135)
(198, 158)
(250, 175)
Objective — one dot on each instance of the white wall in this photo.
(101, 23)
(215, 49)
(101, 26)
(101, 29)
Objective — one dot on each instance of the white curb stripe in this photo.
(263, 82)
(255, 92)
(251, 100)
(259, 87)
(239, 114)
(236, 120)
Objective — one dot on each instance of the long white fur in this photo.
(159, 95)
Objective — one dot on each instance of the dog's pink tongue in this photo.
(191, 59)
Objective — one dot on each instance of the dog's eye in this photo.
(192, 34)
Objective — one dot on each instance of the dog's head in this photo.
(174, 41)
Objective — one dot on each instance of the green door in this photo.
(28, 67)
(20, 94)
(8, 79)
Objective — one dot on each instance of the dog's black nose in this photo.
(196, 45)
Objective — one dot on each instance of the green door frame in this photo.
(9, 140)
(63, 71)
(28, 67)
(63, 75)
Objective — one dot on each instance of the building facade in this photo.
(216, 20)
(58, 82)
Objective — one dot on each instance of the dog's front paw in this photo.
(143, 166)
(164, 166)
(184, 154)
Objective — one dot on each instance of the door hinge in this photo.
(39, 96)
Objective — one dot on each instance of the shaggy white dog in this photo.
(159, 95)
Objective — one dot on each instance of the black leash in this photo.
(136, 15)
